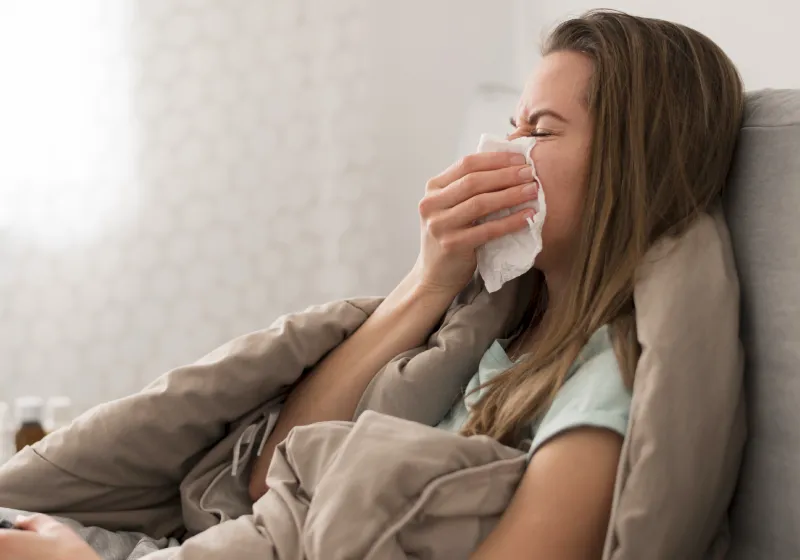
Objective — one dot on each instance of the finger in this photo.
(475, 236)
(41, 524)
(481, 206)
(475, 184)
(484, 161)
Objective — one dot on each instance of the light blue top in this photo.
(593, 395)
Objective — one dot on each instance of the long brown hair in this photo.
(667, 106)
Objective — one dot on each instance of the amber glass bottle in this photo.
(29, 414)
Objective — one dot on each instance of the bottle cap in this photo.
(29, 409)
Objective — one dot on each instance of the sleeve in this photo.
(594, 395)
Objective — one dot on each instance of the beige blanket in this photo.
(379, 488)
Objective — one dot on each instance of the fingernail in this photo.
(517, 159)
(526, 173)
(530, 189)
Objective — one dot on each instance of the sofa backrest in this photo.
(762, 205)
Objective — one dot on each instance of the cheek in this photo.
(563, 180)
(563, 216)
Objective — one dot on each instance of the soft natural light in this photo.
(66, 136)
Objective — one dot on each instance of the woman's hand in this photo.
(469, 190)
(43, 537)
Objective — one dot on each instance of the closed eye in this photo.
(538, 133)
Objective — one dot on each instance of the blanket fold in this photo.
(378, 488)
(120, 465)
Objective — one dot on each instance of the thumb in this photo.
(40, 524)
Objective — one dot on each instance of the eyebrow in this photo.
(536, 115)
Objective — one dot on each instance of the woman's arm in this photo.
(472, 188)
(332, 390)
(561, 509)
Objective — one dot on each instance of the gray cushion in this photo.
(763, 210)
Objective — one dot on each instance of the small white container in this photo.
(59, 413)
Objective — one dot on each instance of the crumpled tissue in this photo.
(512, 255)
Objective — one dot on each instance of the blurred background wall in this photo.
(176, 173)
(760, 37)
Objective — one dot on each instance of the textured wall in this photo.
(759, 37)
(182, 172)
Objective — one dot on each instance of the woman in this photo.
(636, 122)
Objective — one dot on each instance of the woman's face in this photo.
(554, 110)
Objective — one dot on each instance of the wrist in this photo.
(416, 297)
(417, 286)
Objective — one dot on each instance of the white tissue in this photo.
(512, 255)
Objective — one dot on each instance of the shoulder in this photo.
(595, 376)
(594, 394)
